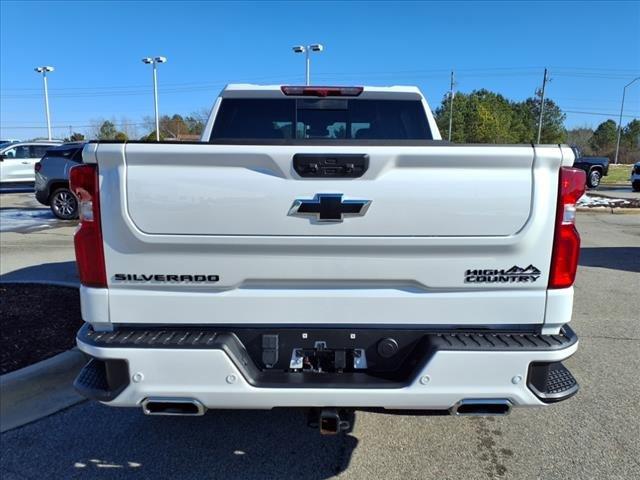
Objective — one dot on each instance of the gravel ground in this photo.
(594, 435)
(36, 322)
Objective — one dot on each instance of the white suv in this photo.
(18, 159)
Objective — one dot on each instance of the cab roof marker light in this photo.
(321, 91)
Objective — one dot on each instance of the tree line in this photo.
(172, 127)
(483, 116)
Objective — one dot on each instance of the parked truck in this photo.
(323, 248)
(594, 167)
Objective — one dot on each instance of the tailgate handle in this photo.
(327, 165)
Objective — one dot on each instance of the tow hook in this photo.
(330, 421)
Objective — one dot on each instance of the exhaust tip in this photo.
(188, 407)
(482, 407)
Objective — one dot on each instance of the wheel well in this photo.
(596, 167)
(56, 185)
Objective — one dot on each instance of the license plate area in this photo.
(321, 359)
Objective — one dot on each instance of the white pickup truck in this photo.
(323, 248)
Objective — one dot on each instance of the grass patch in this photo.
(618, 174)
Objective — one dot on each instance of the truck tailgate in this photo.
(453, 235)
(231, 190)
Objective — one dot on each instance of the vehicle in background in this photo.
(594, 167)
(4, 143)
(635, 177)
(52, 179)
(17, 160)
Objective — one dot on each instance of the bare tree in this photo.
(128, 127)
(93, 132)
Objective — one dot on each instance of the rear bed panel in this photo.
(185, 210)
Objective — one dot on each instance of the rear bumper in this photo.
(42, 196)
(222, 376)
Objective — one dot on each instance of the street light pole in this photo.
(624, 91)
(155, 100)
(307, 71)
(451, 95)
(43, 71)
(154, 62)
(316, 47)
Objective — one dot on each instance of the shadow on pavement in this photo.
(94, 441)
(615, 258)
(16, 187)
(57, 272)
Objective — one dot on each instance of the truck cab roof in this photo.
(246, 90)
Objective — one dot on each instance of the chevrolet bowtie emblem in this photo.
(328, 207)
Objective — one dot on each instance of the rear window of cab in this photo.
(320, 119)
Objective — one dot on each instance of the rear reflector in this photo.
(322, 91)
(566, 242)
(83, 181)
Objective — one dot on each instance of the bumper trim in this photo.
(210, 338)
(159, 342)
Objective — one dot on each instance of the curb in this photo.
(39, 390)
(612, 210)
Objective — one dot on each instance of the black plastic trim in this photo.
(102, 380)
(330, 165)
(244, 348)
(197, 337)
(551, 382)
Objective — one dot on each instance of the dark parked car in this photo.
(52, 179)
(594, 167)
(635, 177)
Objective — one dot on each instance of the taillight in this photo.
(37, 166)
(322, 91)
(83, 181)
(566, 242)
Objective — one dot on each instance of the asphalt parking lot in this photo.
(593, 435)
(33, 243)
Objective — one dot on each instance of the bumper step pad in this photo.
(102, 380)
(208, 338)
(552, 382)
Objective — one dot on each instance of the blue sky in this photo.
(591, 48)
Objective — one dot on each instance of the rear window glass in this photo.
(38, 151)
(320, 119)
(64, 152)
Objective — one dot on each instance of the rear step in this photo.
(102, 380)
(551, 382)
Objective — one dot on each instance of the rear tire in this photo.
(593, 179)
(64, 204)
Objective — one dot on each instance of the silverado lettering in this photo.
(135, 277)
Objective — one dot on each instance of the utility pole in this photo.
(451, 96)
(624, 91)
(544, 84)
